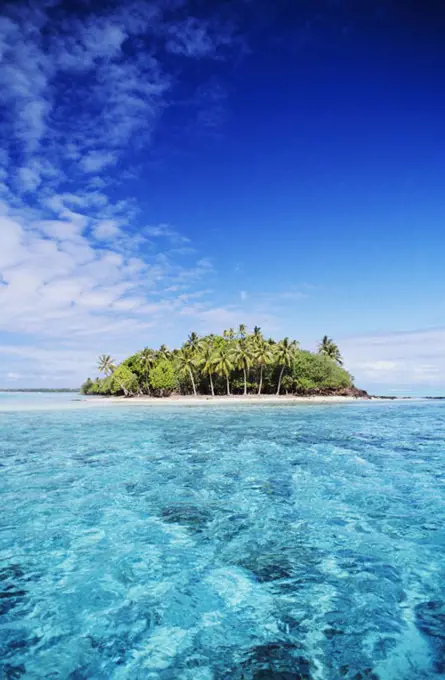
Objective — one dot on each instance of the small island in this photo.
(234, 363)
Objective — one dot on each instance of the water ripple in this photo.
(254, 543)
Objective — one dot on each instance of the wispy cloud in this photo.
(277, 298)
(199, 38)
(79, 86)
(167, 232)
(95, 161)
(410, 358)
(214, 319)
(58, 280)
(82, 271)
(81, 91)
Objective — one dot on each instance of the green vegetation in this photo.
(163, 378)
(235, 362)
(328, 348)
(315, 371)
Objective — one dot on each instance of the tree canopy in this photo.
(236, 362)
(163, 378)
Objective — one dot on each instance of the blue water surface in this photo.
(223, 543)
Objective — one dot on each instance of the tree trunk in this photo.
(124, 390)
(211, 384)
(279, 381)
(228, 386)
(193, 382)
(245, 382)
(261, 381)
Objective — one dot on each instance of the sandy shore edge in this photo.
(220, 400)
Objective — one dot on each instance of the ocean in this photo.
(222, 543)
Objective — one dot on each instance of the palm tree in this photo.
(257, 334)
(206, 361)
(284, 354)
(242, 331)
(223, 363)
(148, 357)
(193, 341)
(328, 347)
(106, 364)
(243, 359)
(186, 362)
(263, 356)
(164, 352)
(229, 334)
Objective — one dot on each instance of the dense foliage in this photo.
(236, 362)
(163, 378)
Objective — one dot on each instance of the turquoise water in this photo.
(247, 543)
(26, 400)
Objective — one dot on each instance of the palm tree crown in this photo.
(193, 341)
(229, 335)
(148, 357)
(223, 363)
(243, 358)
(187, 363)
(284, 355)
(257, 334)
(263, 364)
(106, 364)
(164, 352)
(328, 347)
(206, 362)
(263, 356)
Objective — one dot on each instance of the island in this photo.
(238, 362)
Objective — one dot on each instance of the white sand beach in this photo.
(203, 400)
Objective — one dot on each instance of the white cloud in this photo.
(106, 230)
(29, 178)
(411, 358)
(70, 298)
(215, 319)
(63, 278)
(79, 274)
(117, 87)
(190, 38)
(167, 232)
(277, 298)
(196, 38)
(97, 160)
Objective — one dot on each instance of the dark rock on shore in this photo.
(343, 392)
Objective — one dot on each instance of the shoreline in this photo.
(206, 400)
(89, 403)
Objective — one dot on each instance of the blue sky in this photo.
(176, 165)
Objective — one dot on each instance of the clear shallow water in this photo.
(247, 543)
(18, 401)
